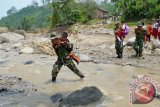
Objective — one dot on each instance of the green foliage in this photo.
(67, 12)
(137, 9)
(11, 11)
(26, 23)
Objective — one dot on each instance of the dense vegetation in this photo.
(138, 9)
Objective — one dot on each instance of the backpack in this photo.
(126, 31)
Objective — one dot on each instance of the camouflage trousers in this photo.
(58, 65)
(138, 47)
(118, 47)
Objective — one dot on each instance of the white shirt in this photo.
(123, 27)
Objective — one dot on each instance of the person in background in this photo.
(118, 40)
(149, 31)
(138, 45)
(155, 29)
(145, 34)
(159, 31)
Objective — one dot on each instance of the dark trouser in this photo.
(138, 47)
(119, 47)
(149, 38)
(58, 65)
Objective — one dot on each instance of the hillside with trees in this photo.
(32, 16)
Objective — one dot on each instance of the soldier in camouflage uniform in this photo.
(138, 45)
(118, 40)
(63, 48)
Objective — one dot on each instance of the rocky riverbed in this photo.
(26, 64)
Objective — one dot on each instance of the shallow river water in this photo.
(112, 80)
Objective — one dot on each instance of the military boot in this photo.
(53, 79)
(121, 55)
(82, 76)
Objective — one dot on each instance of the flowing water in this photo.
(112, 80)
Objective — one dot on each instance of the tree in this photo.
(26, 23)
(137, 9)
(34, 3)
(67, 12)
(11, 11)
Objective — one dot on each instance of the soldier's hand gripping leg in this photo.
(72, 67)
(56, 68)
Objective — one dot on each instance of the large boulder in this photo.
(3, 40)
(82, 97)
(27, 50)
(12, 36)
(131, 41)
(3, 30)
(21, 32)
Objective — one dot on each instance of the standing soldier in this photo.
(118, 40)
(63, 49)
(138, 45)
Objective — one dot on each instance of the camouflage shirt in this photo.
(139, 34)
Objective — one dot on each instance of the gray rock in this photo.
(155, 44)
(82, 97)
(21, 32)
(56, 98)
(84, 58)
(29, 62)
(3, 40)
(131, 41)
(17, 45)
(156, 52)
(26, 50)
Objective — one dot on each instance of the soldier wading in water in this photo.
(63, 50)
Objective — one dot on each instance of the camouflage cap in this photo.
(53, 35)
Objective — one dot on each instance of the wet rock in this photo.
(82, 97)
(26, 50)
(85, 58)
(13, 85)
(3, 40)
(3, 90)
(29, 62)
(131, 41)
(56, 98)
